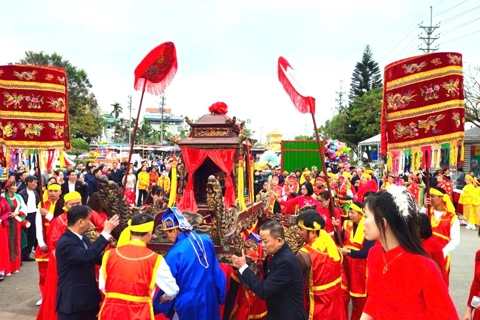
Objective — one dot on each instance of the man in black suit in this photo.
(32, 199)
(74, 184)
(78, 297)
(282, 287)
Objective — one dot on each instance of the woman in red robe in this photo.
(305, 199)
(403, 282)
(472, 312)
(413, 186)
(4, 252)
(17, 209)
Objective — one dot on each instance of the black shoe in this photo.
(28, 259)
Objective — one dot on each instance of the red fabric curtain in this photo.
(193, 159)
(225, 159)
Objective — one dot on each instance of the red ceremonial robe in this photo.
(323, 290)
(434, 250)
(4, 252)
(475, 287)
(424, 294)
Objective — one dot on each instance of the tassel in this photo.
(241, 185)
(389, 162)
(173, 185)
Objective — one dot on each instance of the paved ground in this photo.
(19, 292)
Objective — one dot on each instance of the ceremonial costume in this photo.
(290, 189)
(468, 200)
(424, 295)
(164, 182)
(128, 277)
(413, 187)
(446, 185)
(301, 201)
(276, 192)
(445, 228)
(194, 265)
(4, 252)
(327, 217)
(322, 262)
(366, 184)
(42, 223)
(356, 261)
(15, 233)
(475, 286)
(434, 250)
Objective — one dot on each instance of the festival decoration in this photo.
(423, 112)
(33, 108)
(336, 150)
(153, 74)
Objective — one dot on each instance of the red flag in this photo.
(286, 75)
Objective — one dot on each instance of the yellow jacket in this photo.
(143, 180)
(164, 183)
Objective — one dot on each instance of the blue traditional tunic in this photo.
(199, 277)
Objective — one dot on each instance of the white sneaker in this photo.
(468, 227)
(8, 275)
(39, 302)
(473, 227)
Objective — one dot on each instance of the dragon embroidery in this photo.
(430, 123)
(414, 67)
(398, 101)
(57, 104)
(25, 75)
(31, 129)
(436, 61)
(49, 77)
(409, 131)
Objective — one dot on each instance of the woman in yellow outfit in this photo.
(468, 199)
(143, 182)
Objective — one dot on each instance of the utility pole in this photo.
(339, 99)
(161, 109)
(130, 108)
(429, 39)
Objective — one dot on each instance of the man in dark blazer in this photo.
(282, 287)
(75, 184)
(78, 297)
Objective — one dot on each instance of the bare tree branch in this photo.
(472, 95)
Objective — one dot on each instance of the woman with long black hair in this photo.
(403, 281)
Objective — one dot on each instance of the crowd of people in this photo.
(355, 259)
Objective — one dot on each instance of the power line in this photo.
(450, 8)
(459, 26)
(407, 47)
(459, 15)
(469, 34)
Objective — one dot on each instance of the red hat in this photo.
(10, 181)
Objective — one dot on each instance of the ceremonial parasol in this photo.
(153, 74)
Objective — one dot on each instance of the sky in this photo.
(228, 50)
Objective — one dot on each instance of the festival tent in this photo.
(370, 142)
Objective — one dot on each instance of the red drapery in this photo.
(193, 159)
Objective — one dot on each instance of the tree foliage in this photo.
(304, 137)
(85, 118)
(366, 75)
(472, 95)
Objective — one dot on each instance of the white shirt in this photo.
(39, 226)
(31, 201)
(71, 186)
(163, 279)
(454, 232)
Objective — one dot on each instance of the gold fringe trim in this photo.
(417, 112)
(422, 76)
(20, 115)
(37, 145)
(22, 85)
(427, 141)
